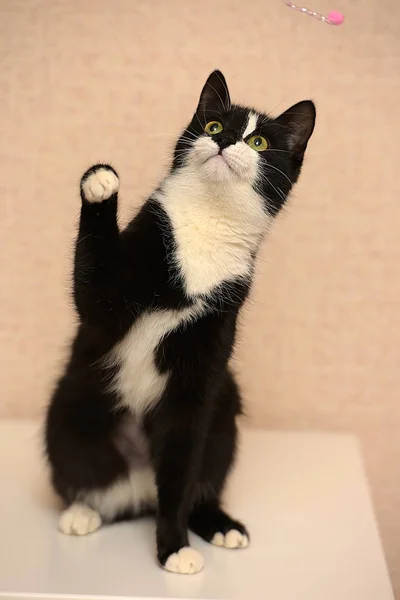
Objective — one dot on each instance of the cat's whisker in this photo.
(189, 140)
(173, 135)
(187, 132)
(279, 171)
(266, 120)
(277, 150)
(275, 107)
(202, 125)
(266, 179)
(278, 190)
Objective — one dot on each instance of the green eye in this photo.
(213, 127)
(258, 143)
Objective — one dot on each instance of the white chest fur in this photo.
(216, 229)
(138, 382)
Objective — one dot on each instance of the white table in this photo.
(304, 498)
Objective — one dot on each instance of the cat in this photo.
(143, 418)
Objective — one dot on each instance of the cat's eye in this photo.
(213, 127)
(258, 143)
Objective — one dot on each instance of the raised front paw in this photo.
(99, 183)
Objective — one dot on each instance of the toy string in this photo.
(333, 18)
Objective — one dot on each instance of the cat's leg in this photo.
(207, 519)
(124, 499)
(98, 265)
(84, 460)
(176, 448)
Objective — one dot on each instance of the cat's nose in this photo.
(225, 140)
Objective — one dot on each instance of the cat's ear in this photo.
(299, 121)
(215, 94)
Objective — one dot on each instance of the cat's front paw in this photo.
(99, 183)
(186, 561)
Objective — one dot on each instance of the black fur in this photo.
(191, 431)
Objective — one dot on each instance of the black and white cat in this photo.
(143, 418)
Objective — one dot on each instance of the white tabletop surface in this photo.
(303, 496)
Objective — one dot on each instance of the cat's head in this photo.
(226, 142)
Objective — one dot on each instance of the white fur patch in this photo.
(138, 382)
(187, 561)
(79, 519)
(251, 124)
(217, 225)
(127, 494)
(232, 539)
(100, 185)
(242, 160)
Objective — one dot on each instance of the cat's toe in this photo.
(99, 183)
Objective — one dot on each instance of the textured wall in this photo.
(89, 80)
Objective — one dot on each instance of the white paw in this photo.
(100, 185)
(232, 539)
(186, 560)
(79, 519)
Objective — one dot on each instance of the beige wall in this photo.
(89, 80)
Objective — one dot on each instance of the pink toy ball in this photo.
(335, 17)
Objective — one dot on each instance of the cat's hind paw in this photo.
(79, 519)
(231, 539)
(99, 183)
